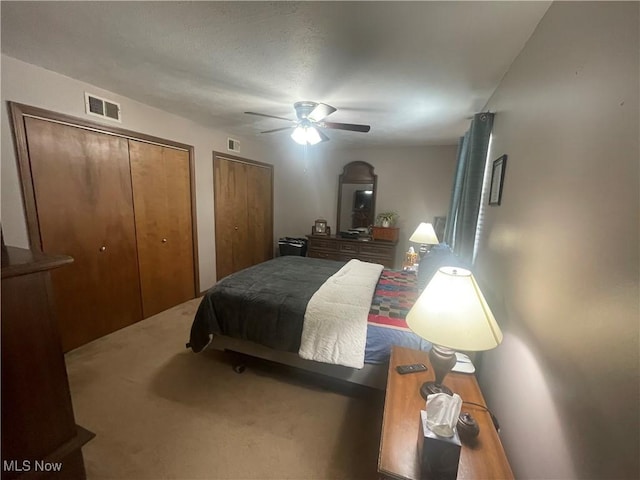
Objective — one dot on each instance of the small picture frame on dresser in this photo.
(320, 228)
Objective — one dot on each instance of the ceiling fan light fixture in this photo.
(313, 136)
(310, 124)
(305, 135)
(299, 135)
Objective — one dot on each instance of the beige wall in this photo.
(35, 86)
(559, 257)
(305, 179)
(414, 181)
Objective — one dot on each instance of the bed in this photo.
(260, 311)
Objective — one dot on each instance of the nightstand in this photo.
(398, 458)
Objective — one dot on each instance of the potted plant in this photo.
(386, 219)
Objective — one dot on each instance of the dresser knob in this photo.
(164, 240)
(103, 248)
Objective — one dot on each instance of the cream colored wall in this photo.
(414, 181)
(305, 188)
(559, 258)
(35, 86)
(305, 180)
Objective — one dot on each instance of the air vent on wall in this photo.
(233, 145)
(101, 107)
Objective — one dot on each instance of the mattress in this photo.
(266, 304)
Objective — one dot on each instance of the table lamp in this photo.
(452, 314)
(425, 235)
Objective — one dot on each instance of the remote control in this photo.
(416, 367)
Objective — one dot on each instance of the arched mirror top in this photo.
(356, 197)
(358, 172)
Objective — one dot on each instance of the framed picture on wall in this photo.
(497, 180)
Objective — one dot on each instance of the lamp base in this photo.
(429, 388)
(442, 360)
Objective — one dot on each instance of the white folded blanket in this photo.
(335, 322)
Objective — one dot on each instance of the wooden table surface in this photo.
(398, 457)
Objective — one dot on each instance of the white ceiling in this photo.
(414, 71)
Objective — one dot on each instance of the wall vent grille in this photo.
(233, 145)
(101, 107)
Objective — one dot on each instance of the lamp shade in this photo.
(424, 234)
(452, 312)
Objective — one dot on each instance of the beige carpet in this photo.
(160, 411)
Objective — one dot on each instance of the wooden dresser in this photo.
(40, 438)
(336, 248)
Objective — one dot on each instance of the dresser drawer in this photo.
(323, 254)
(321, 243)
(336, 248)
(378, 250)
(346, 247)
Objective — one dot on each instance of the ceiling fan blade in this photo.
(346, 126)
(269, 116)
(320, 111)
(277, 130)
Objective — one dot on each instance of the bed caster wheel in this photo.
(239, 368)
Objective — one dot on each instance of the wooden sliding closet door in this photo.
(161, 182)
(82, 189)
(243, 195)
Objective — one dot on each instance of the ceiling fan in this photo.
(307, 128)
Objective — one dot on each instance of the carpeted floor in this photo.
(160, 411)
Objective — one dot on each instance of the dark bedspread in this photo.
(264, 303)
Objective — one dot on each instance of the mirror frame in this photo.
(357, 172)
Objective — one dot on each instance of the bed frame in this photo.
(371, 375)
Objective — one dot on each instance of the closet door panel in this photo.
(260, 221)
(242, 246)
(243, 214)
(230, 214)
(83, 197)
(162, 202)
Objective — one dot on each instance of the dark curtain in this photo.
(449, 229)
(464, 206)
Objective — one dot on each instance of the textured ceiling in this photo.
(414, 71)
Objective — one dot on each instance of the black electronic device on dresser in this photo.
(352, 235)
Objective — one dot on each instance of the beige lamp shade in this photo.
(452, 312)
(424, 234)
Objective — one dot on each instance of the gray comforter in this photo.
(264, 303)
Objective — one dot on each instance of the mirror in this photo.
(356, 197)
